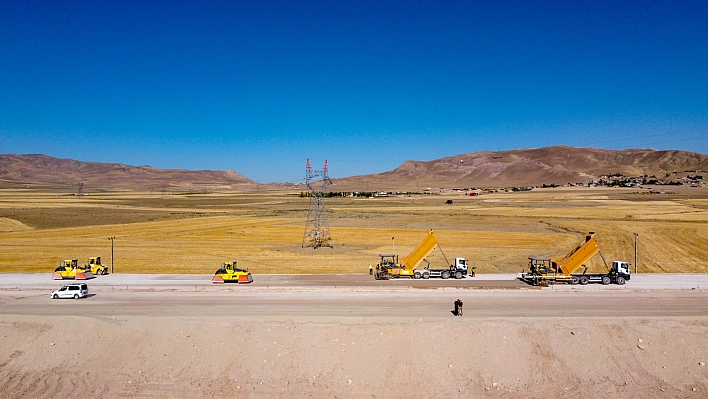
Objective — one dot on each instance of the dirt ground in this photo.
(175, 340)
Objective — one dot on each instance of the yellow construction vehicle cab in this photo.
(229, 273)
(69, 269)
(97, 268)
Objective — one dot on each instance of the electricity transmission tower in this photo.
(317, 226)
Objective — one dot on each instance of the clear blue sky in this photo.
(260, 86)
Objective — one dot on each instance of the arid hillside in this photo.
(59, 173)
(529, 167)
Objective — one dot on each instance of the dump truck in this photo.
(389, 267)
(229, 273)
(544, 270)
(70, 270)
(96, 267)
(458, 270)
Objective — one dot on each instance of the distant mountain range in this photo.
(529, 167)
(55, 172)
(525, 167)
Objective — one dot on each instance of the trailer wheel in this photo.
(458, 275)
(574, 280)
(416, 276)
(426, 276)
(606, 280)
(445, 275)
(584, 280)
(620, 280)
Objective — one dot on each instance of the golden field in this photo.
(263, 231)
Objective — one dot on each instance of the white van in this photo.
(75, 291)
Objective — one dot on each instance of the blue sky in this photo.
(258, 87)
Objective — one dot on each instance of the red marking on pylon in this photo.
(309, 167)
(325, 167)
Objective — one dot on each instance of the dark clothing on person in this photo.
(458, 308)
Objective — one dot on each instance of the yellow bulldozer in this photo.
(97, 268)
(229, 273)
(69, 269)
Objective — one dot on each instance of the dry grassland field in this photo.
(263, 231)
(288, 334)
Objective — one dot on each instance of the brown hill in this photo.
(54, 172)
(527, 167)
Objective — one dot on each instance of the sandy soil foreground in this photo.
(378, 342)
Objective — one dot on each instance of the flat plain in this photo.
(263, 231)
(299, 331)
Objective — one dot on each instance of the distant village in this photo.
(690, 178)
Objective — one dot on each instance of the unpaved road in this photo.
(330, 336)
(200, 282)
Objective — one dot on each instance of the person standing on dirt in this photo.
(458, 307)
(371, 270)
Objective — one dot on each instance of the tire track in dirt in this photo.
(549, 369)
(623, 356)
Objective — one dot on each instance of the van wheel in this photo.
(76, 296)
(55, 296)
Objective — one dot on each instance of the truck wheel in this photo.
(574, 280)
(416, 276)
(458, 275)
(445, 275)
(584, 280)
(426, 276)
(620, 280)
(606, 280)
